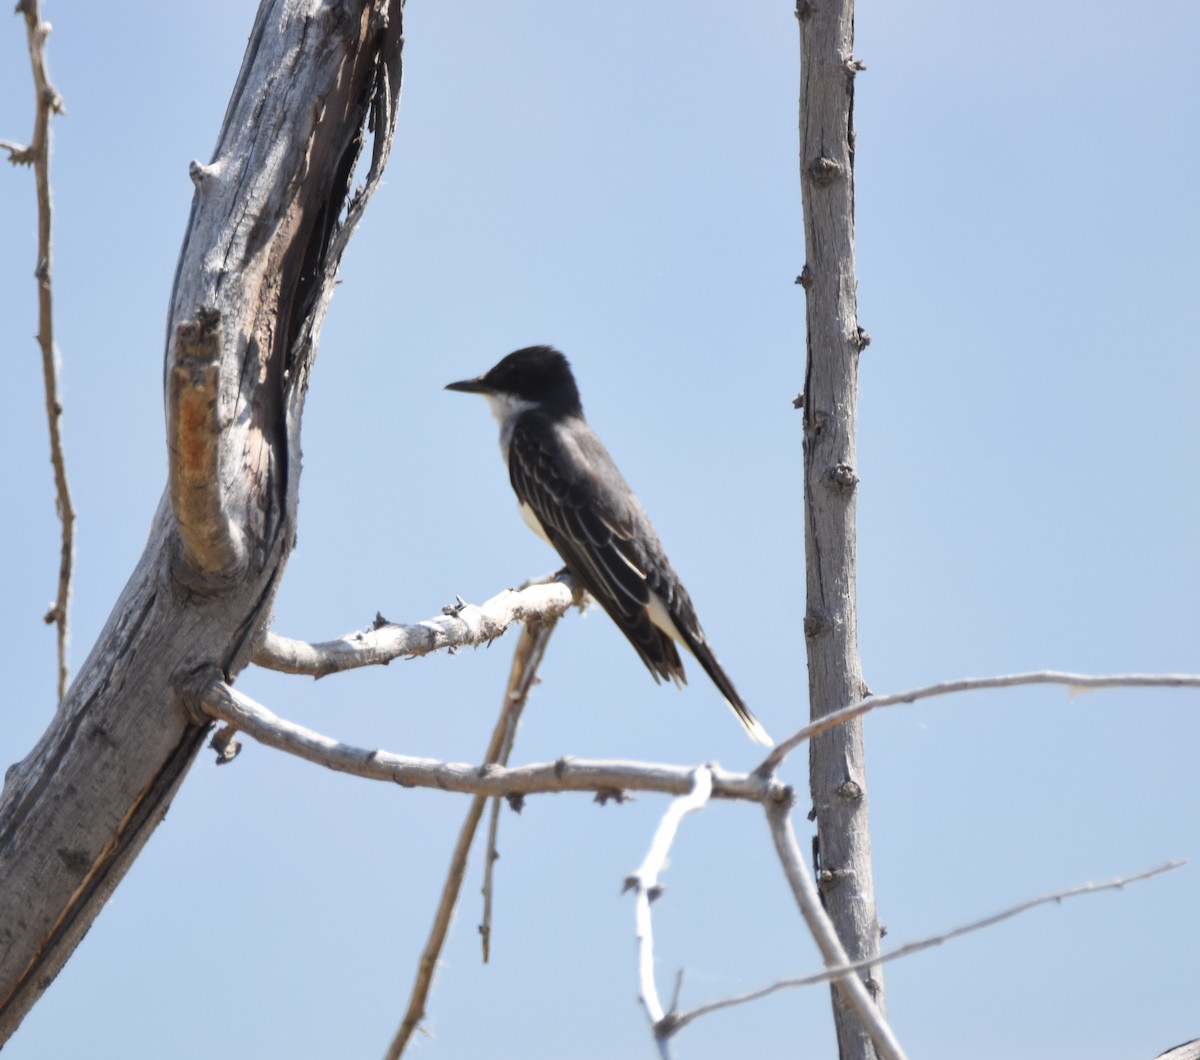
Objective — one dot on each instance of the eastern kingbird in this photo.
(572, 495)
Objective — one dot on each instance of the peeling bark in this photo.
(270, 218)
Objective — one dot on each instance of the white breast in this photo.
(533, 522)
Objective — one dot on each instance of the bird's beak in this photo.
(470, 386)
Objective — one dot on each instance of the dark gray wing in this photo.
(597, 526)
(591, 516)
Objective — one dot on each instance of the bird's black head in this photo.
(538, 374)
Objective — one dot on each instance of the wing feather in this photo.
(595, 531)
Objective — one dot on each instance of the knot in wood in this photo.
(199, 173)
(842, 477)
(828, 879)
(850, 791)
(199, 338)
(190, 684)
(783, 795)
(815, 624)
(76, 862)
(226, 744)
(666, 1026)
(824, 171)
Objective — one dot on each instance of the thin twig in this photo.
(850, 987)
(605, 778)
(463, 625)
(684, 1018)
(18, 154)
(37, 154)
(528, 656)
(644, 882)
(1076, 683)
(491, 855)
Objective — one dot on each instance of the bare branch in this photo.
(851, 989)
(684, 1018)
(644, 882)
(1076, 683)
(837, 757)
(464, 625)
(212, 542)
(526, 659)
(37, 154)
(18, 154)
(490, 856)
(604, 778)
(255, 249)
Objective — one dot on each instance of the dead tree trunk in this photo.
(837, 767)
(271, 216)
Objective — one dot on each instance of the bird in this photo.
(571, 494)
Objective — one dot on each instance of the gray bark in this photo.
(837, 767)
(269, 221)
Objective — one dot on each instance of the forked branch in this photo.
(644, 883)
(612, 778)
(526, 660)
(682, 1019)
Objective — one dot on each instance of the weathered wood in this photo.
(258, 264)
(837, 767)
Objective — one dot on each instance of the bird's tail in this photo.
(750, 723)
(720, 678)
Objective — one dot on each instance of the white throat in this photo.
(506, 408)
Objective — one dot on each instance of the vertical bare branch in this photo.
(490, 855)
(526, 660)
(837, 766)
(37, 154)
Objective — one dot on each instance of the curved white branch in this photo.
(465, 625)
(851, 988)
(226, 704)
(644, 882)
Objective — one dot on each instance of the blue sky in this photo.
(622, 182)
